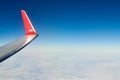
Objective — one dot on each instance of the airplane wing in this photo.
(11, 48)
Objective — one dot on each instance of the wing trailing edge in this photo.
(13, 47)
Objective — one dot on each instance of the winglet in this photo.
(27, 24)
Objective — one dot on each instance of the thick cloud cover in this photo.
(38, 65)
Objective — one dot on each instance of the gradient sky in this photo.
(78, 40)
(65, 23)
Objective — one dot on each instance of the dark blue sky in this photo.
(65, 22)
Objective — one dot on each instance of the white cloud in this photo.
(41, 65)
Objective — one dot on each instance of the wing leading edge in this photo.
(11, 48)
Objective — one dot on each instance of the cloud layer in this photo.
(39, 65)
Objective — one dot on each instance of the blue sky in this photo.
(64, 22)
(78, 39)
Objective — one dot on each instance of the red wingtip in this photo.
(27, 23)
